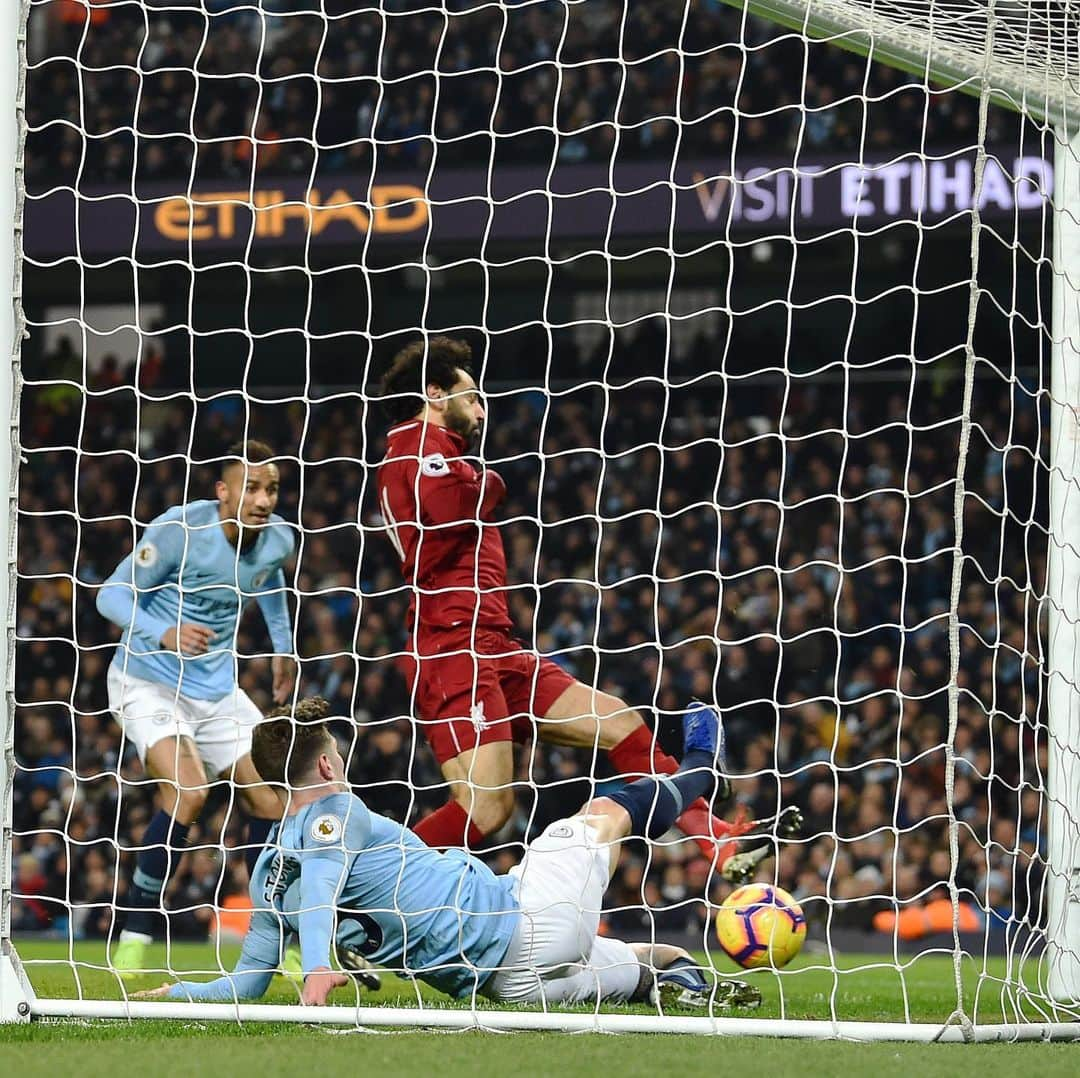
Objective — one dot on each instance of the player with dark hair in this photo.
(476, 690)
(343, 878)
(173, 681)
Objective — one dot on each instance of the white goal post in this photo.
(1023, 55)
(1063, 896)
(15, 990)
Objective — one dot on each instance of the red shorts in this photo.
(468, 692)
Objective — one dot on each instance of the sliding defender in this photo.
(345, 879)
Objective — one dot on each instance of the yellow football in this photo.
(760, 925)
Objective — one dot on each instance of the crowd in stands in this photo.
(785, 549)
(788, 554)
(180, 91)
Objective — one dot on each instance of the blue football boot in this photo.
(703, 731)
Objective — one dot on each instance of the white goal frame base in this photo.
(363, 1018)
(17, 999)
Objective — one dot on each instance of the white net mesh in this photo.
(746, 372)
(1027, 50)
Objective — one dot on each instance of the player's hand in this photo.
(153, 993)
(319, 984)
(191, 639)
(284, 670)
(493, 490)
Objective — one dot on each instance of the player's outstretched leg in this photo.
(738, 867)
(584, 717)
(678, 982)
(564, 873)
(654, 804)
(704, 732)
(682, 986)
(649, 807)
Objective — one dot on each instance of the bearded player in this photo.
(476, 689)
(173, 681)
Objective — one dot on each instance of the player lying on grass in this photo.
(172, 683)
(344, 878)
(476, 690)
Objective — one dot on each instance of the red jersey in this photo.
(437, 508)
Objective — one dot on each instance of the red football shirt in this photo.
(437, 507)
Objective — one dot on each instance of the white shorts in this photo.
(149, 712)
(555, 955)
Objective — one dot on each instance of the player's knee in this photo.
(190, 801)
(491, 809)
(608, 818)
(617, 721)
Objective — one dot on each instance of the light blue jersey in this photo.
(334, 872)
(183, 569)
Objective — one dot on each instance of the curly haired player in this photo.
(476, 689)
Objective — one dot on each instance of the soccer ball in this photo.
(760, 925)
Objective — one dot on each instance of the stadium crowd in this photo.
(786, 551)
(184, 90)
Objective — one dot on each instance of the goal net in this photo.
(774, 313)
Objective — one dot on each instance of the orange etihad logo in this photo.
(213, 215)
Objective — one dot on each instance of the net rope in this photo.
(763, 331)
(1034, 60)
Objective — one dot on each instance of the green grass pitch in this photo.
(865, 988)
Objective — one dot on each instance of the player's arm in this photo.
(453, 492)
(155, 558)
(337, 828)
(275, 611)
(273, 603)
(251, 976)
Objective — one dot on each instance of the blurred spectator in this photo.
(30, 914)
(521, 82)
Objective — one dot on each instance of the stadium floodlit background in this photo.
(745, 494)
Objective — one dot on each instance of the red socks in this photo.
(638, 755)
(449, 826)
(633, 757)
